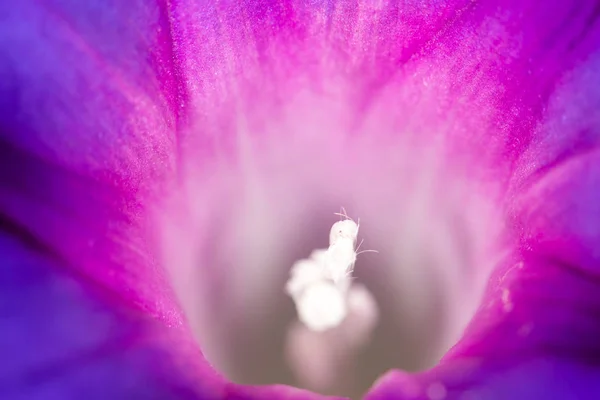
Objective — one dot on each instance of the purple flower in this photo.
(163, 164)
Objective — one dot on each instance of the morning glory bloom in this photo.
(164, 165)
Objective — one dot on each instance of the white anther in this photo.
(303, 274)
(343, 230)
(319, 285)
(319, 255)
(342, 251)
(340, 259)
(321, 306)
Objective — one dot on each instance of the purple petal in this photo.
(91, 100)
(96, 106)
(88, 119)
(501, 70)
(535, 334)
(88, 116)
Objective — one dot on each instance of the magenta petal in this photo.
(95, 98)
(63, 339)
(535, 335)
(91, 105)
(532, 378)
(89, 108)
(89, 113)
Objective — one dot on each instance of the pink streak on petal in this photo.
(93, 125)
(494, 63)
(88, 140)
(544, 297)
(535, 334)
(91, 106)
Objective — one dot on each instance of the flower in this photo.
(163, 162)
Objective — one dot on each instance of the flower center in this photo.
(277, 319)
(238, 229)
(321, 285)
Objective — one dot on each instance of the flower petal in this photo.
(62, 338)
(535, 333)
(95, 129)
(90, 110)
(485, 74)
(89, 118)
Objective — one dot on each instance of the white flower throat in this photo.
(320, 285)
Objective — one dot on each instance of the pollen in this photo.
(319, 285)
(321, 306)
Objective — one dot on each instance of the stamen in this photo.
(321, 306)
(319, 285)
(335, 315)
(340, 259)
